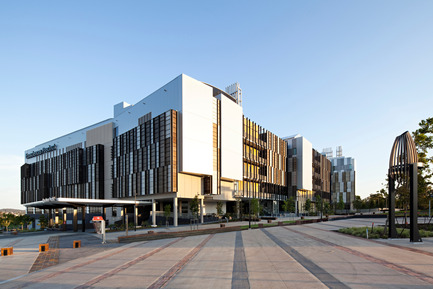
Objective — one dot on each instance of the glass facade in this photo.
(77, 173)
(145, 158)
(265, 161)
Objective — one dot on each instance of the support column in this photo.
(201, 211)
(50, 218)
(64, 219)
(75, 220)
(414, 233)
(392, 232)
(83, 219)
(153, 213)
(175, 211)
(56, 216)
(135, 217)
(125, 216)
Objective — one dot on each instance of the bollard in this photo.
(7, 251)
(77, 244)
(44, 247)
(366, 230)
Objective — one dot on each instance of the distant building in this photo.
(342, 178)
(309, 172)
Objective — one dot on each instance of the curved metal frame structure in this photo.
(403, 164)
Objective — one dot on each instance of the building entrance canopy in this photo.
(56, 203)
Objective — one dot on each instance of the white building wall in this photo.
(231, 139)
(197, 130)
(63, 142)
(167, 97)
(304, 153)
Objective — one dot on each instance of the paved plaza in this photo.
(301, 256)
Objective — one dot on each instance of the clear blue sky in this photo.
(349, 73)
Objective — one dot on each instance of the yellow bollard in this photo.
(44, 247)
(7, 251)
(77, 244)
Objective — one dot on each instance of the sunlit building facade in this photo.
(187, 139)
(308, 172)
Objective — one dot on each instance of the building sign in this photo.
(41, 151)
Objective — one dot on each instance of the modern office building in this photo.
(187, 139)
(342, 178)
(309, 172)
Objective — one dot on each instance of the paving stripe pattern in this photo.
(69, 269)
(240, 270)
(11, 244)
(125, 266)
(47, 258)
(164, 279)
(370, 258)
(317, 271)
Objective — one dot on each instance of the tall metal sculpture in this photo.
(403, 166)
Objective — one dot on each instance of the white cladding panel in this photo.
(197, 128)
(63, 142)
(305, 158)
(167, 97)
(231, 139)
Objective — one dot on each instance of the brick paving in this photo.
(48, 258)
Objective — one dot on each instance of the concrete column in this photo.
(175, 211)
(125, 216)
(75, 220)
(56, 216)
(126, 221)
(50, 218)
(83, 219)
(153, 213)
(201, 210)
(104, 213)
(136, 216)
(64, 219)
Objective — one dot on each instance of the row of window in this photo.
(144, 158)
(77, 173)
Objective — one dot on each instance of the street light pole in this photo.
(321, 204)
(429, 204)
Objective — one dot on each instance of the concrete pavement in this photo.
(300, 256)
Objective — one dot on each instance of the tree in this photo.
(194, 207)
(167, 212)
(6, 220)
(255, 207)
(357, 203)
(43, 221)
(319, 204)
(307, 205)
(219, 208)
(289, 205)
(402, 193)
(23, 220)
(340, 204)
(327, 208)
(423, 138)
